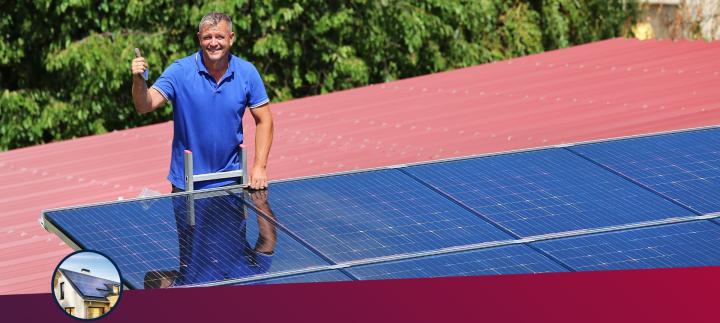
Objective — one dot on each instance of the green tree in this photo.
(65, 72)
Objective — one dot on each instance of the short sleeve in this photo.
(166, 83)
(256, 96)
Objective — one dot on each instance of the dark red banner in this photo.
(659, 295)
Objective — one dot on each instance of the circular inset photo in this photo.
(86, 285)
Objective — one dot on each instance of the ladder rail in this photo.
(191, 178)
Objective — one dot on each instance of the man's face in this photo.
(216, 41)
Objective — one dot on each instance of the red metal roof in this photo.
(601, 90)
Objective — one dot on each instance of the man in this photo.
(209, 91)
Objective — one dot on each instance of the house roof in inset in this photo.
(90, 287)
(607, 89)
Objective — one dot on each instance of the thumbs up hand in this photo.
(139, 65)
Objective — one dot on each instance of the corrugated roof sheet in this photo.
(606, 89)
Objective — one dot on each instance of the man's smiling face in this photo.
(215, 42)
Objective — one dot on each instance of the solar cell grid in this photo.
(684, 167)
(674, 245)
(154, 243)
(546, 191)
(374, 214)
(513, 259)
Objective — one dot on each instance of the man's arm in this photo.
(144, 99)
(263, 141)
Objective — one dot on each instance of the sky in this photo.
(99, 266)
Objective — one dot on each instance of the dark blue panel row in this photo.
(374, 214)
(545, 191)
(89, 286)
(674, 245)
(316, 277)
(684, 166)
(154, 244)
(512, 259)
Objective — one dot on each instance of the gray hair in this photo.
(214, 18)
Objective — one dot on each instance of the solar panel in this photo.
(154, 245)
(404, 222)
(89, 286)
(685, 166)
(374, 214)
(674, 245)
(316, 277)
(545, 191)
(512, 259)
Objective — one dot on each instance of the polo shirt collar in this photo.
(232, 65)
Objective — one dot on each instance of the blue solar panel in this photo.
(321, 276)
(356, 219)
(90, 286)
(545, 191)
(153, 243)
(513, 259)
(374, 214)
(683, 166)
(673, 245)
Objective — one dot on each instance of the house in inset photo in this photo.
(83, 295)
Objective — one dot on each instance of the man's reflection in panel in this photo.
(216, 248)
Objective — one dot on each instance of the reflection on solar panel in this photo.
(515, 259)
(674, 245)
(322, 276)
(153, 243)
(465, 217)
(374, 214)
(684, 166)
(545, 191)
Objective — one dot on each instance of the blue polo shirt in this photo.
(207, 116)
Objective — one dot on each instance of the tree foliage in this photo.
(64, 64)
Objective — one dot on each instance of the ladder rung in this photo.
(221, 175)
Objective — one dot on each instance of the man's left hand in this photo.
(258, 178)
